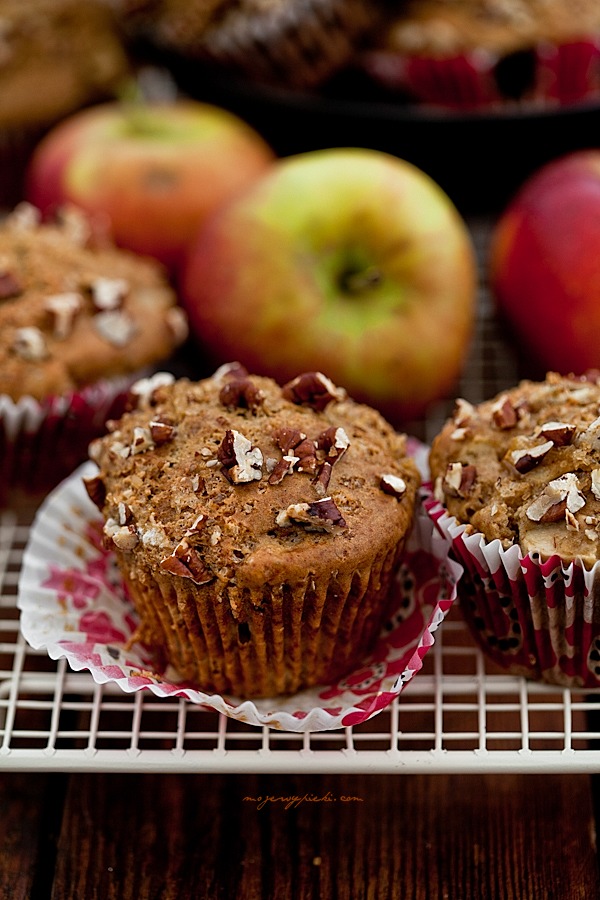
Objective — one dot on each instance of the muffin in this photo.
(298, 44)
(517, 492)
(479, 53)
(79, 322)
(258, 528)
(55, 57)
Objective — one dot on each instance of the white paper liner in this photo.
(73, 604)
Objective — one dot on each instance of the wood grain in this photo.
(419, 837)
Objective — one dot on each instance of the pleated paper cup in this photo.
(534, 617)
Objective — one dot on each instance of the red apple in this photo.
(347, 261)
(545, 264)
(154, 172)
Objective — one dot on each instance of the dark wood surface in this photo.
(461, 837)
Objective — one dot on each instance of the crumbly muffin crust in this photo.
(55, 56)
(251, 495)
(446, 27)
(72, 313)
(524, 467)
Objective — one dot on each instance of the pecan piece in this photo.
(288, 438)
(459, 479)
(560, 433)
(321, 482)
(10, 286)
(185, 561)
(161, 431)
(96, 490)
(504, 414)
(241, 392)
(334, 442)
(283, 467)
(125, 537)
(63, 308)
(241, 461)
(115, 327)
(108, 293)
(322, 515)
(559, 495)
(29, 344)
(527, 459)
(312, 389)
(142, 394)
(393, 484)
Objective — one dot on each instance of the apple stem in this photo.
(355, 282)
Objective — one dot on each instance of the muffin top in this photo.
(239, 479)
(72, 313)
(524, 467)
(444, 27)
(55, 56)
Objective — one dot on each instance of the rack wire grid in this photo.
(458, 714)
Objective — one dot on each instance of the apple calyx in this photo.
(355, 281)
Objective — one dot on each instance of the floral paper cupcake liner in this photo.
(73, 603)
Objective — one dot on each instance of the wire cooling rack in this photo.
(459, 714)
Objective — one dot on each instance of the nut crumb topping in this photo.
(313, 389)
(322, 515)
(185, 561)
(558, 496)
(241, 461)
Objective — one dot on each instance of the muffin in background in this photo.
(55, 57)
(297, 44)
(258, 528)
(470, 54)
(79, 322)
(517, 492)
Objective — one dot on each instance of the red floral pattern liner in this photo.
(561, 75)
(73, 604)
(533, 617)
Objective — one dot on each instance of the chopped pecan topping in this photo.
(504, 413)
(560, 433)
(10, 286)
(198, 525)
(142, 440)
(559, 495)
(241, 461)
(283, 467)
(464, 412)
(177, 322)
(393, 484)
(142, 393)
(241, 392)
(162, 431)
(334, 442)
(115, 327)
(109, 293)
(63, 308)
(312, 389)
(591, 435)
(322, 515)
(185, 561)
(459, 479)
(124, 514)
(288, 438)
(96, 490)
(526, 459)
(230, 370)
(29, 344)
(125, 537)
(321, 482)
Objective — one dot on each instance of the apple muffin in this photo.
(257, 528)
(517, 491)
(79, 322)
(472, 53)
(274, 42)
(55, 57)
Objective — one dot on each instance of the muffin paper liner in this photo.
(533, 617)
(561, 74)
(41, 442)
(74, 604)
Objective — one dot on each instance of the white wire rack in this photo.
(459, 714)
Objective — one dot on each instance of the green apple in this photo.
(152, 171)
(346, 261)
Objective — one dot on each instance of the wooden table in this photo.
(463, 837)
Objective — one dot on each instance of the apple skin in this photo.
(544, 265)
(281, 279)
(149, 173)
